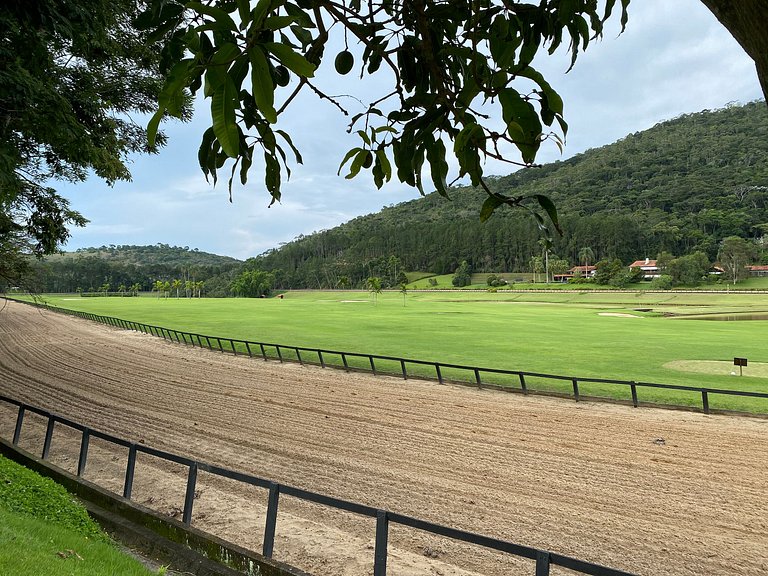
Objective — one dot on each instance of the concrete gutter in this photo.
(171, 542)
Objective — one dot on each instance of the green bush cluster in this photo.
(25, 492)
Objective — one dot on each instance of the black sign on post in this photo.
(740, 362)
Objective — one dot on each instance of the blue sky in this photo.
(674, 58)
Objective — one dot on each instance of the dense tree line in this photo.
(680, 187)
(88, 270)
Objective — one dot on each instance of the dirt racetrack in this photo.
(649, 491)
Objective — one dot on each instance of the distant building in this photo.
(649, 268)
(583, 271)
(758, 270)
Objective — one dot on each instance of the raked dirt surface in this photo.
(654, 492)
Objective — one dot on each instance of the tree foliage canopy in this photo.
(461, 80)
(72, 73)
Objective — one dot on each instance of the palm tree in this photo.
(176, 285)
(374, 287)
(158, 287)
(586, 255)
(135, 289)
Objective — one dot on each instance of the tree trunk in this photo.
(747, 21)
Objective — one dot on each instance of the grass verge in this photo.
(44, 530)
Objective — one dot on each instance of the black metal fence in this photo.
(543, 559)
(368, 362)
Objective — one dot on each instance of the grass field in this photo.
(571, 334)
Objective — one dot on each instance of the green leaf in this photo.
(346, 159)
(261, 83)
(216, 70)
(278, 22)
(294, 61)
(490, 204)
(438, 166)
(154, 124)
(204, 151)
(359, 161)
(551, 210)
(219, 15)
(295, 150)
(246, 165)
(272, 177)
(223, 106)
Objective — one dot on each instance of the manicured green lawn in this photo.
(555, 333)
(44, 531)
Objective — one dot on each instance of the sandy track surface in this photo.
(645, 490)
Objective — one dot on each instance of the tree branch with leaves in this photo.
(462, 85)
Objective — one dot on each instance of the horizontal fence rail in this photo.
(544, 559)
(275, 351)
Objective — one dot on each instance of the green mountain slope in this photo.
(681, 186)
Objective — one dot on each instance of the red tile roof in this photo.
(643, 263)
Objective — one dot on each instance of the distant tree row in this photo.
(190, 288)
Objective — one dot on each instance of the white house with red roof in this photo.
(649, 268)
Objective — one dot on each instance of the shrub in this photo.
(663, 282)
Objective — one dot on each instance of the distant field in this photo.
(575, 334)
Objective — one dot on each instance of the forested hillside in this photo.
(680, 187)
(90, 269)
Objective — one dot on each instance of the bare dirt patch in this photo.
(753, 369)
(648, 491)
(619, 314)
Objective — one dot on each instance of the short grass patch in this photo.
(44, 530)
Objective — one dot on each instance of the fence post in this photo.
(129, 470)
(542, 563)
(83, 452)
(48, 437)
(320, 357)
(477, 378)
(373, 366)
(298, 356)
(234, 350)
(248, 347)
(575, 389)
(221, 348)
(380, 552)
(271, 523)
(633, 387)
(402, 367)
(439, 374)
(522, 383)
(189, 498)
(705, 401)
(344, 360)
(19, 422)
(263, 352)
(279, 354)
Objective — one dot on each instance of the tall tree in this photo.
(73, 72)
(734, 255)
(586, 256)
